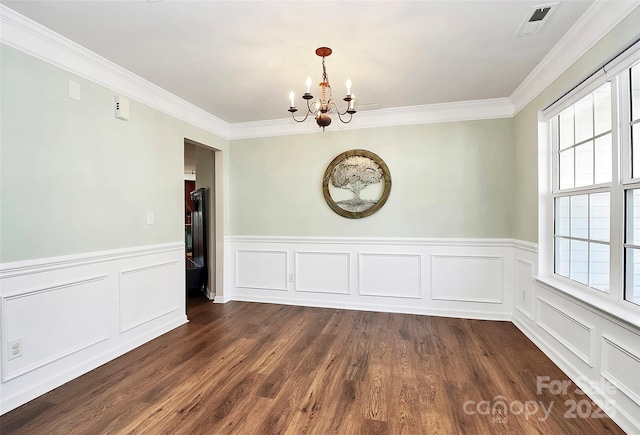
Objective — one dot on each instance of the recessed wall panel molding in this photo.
(392, 275)
(322, 272)
(524, 296)
(70, 314)
(148, 292)
(467, 278)
(620, 366)
(262, 269)
(574, 334)
(373, 273)
(63, 319)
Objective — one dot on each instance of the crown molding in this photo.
(32, 38)
(424, 114)
(601, 17)
(26, 35)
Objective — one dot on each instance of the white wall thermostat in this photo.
(122, 108)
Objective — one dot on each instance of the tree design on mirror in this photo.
(356, 184)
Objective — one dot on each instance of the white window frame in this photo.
(628, 182)
(556, 192)
(613, 302)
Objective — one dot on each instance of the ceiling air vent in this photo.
(535, 19)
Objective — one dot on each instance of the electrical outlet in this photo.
(15, 348)
(292, 277)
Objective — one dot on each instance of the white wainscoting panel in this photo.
(599, 352)
(467, 278)
(148, 292)
(75, 313)
(71, 317)
(574, 334)
(323, 272)
(392, 275)
(375, 274)
(621, 367)
(524, 296)
(262, 269)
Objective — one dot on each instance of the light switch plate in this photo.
(150, 218)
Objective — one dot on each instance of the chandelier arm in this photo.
(331, 103)
(342, 120)
(343, 113)
(301, 120)
(337, 111)
(347, 110)
(340, 115)
(309, 107)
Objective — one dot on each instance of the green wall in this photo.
(525, 222)
(75, 179)
(448, 180)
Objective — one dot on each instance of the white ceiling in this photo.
(238, 60)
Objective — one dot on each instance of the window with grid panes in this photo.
(631, 89)
(595, 191)
(582, 138)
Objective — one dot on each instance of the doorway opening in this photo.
(203, 223)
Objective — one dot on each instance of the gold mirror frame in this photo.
(386, 178)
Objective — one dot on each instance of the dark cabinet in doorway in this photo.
(197, 262)
(189, 206)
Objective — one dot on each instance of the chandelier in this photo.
(325, 105)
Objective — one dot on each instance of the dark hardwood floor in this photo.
(249, 368)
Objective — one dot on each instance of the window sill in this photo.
(626, 312)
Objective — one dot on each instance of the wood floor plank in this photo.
(250, 368)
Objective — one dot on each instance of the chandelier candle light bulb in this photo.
(325, 105)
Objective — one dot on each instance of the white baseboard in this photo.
(94, 307)
(221, 299)
(623, 417)
(489, 279)
(142, 290)
(584, 328)
(42, 386)
(465, 278)
(458, 313)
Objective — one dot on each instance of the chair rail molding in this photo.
(374, 273)
(91, 308)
